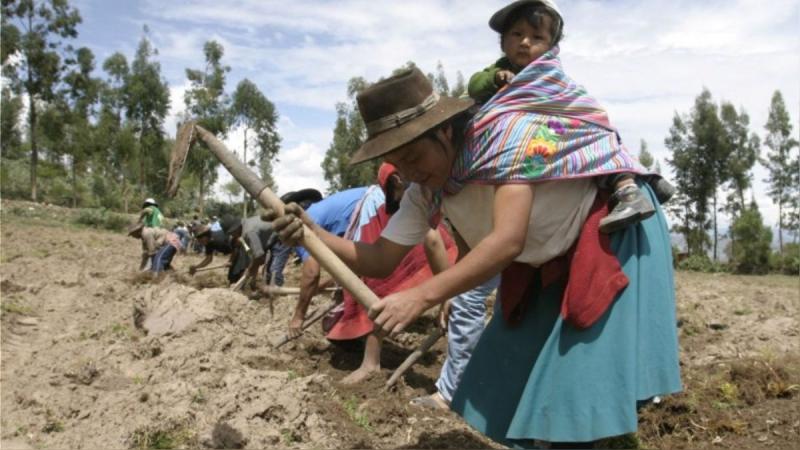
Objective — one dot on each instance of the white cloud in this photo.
(299, 168)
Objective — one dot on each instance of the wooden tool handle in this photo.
(416, 355)
(259, 190)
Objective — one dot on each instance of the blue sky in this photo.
(643, 60)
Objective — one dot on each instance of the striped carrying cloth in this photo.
(542, 126)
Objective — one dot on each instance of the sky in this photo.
(644, 60)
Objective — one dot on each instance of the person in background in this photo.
(183, 234)
(212, 242)
(150, 215)
(280, 252)
(214, 223)
(159, 246)
(253, 239)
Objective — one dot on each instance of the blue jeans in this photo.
(467, 316)
(183, 235)
(280, 256)
(162, 258)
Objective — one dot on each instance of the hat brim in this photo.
(392, 139)
(498, 19)
(133, 229)
(310, 195)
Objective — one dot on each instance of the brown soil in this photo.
(95, 355)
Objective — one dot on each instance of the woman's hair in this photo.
(458, 122)
(392, 205)
(534, 15)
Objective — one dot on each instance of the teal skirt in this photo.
(543, 379)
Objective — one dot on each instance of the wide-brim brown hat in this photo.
(498, 20)
(401, 108)
(136, 227)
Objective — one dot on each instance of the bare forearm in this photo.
(309, 282)
(436, 252)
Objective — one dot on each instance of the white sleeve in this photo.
(409, 225)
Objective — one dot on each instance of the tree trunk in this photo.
(74, 184)
(741, 198)
(125, 194)
(201, 200)
(32, 116)
(34, 148)
(244, 191)
(780, 227)
(686, 230)
(141, 159)
(715, 225)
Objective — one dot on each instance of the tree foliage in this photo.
(252, 111)
(146, 96)
(645, 157)
(349, 134)
(10, 134)
(783, 166)
(207, 103)
(700, 158)
(751, 253)
(743, 154)
(34, 30)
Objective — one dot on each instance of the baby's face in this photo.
(522, 43)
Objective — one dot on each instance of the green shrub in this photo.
(103, 219)
(751, 249)
(701, 263)
(787, 262)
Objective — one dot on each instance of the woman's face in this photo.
(426, 161)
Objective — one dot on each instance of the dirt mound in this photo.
(170, 309)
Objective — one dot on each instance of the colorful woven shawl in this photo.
(543, 126)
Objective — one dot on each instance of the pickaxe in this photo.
(190, 131)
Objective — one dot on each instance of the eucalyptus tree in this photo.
(252, 111)
(146, 97)
(781, 163)
(207, 103)
(32, 40)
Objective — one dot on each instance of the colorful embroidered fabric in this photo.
(542, 126)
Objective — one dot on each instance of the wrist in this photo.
(428, 295)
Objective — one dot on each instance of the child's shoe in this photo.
(631, 207)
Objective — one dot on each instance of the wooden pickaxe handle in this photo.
(281, 290)
(266, 198)
(426, 345)
(311, 321)
(203, 269)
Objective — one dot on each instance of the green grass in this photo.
(359, 418)
(167, 436)
(199, 397)
(288, 437)
(11, 307)
(53, 426)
